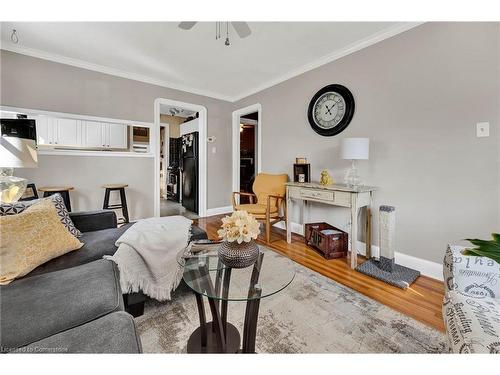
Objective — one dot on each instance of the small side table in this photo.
(63, 190)
(208, 277)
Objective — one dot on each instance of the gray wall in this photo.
(33, 83)
(88, 194)
(418, 97)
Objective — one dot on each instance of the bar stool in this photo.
(63, 190)
(123, 200)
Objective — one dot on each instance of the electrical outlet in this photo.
(214, 150)
(482, 129)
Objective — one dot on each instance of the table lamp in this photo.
(354, 149)
(17, 150)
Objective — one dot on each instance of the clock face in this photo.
(331, 110)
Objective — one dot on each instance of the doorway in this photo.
(247, 142)
(181, 159)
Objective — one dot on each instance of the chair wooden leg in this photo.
(268, 230)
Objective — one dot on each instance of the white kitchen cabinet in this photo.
(44, 133)
(93, 134)
(116, 136)
(67, 132)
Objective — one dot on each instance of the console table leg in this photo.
(287, 214)
(354, 231)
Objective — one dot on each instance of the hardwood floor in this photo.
(422, 301)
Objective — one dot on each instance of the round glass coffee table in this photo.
(208, 277)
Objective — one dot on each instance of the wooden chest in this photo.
(331, 242)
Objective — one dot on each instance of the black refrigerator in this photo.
(189, 171)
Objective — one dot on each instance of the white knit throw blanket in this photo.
(147, 255)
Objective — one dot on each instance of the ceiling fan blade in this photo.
(242, 29)
(187, 25)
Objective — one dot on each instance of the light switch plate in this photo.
(482, 129)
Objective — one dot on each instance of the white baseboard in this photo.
(426, 267)
(219, 210)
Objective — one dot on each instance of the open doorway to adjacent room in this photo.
(247, 127)
(182, 162)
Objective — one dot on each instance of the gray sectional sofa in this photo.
(74, 303)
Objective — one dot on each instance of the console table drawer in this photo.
(317, 194)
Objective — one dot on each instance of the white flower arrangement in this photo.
(239, 227)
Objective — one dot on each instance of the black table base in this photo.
(213, 344)
(219, 336)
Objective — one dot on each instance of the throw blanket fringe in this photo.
(147, 256)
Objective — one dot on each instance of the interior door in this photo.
(117, 136)
(67, 132)
(93, 134)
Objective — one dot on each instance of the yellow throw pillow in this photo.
(32, 238)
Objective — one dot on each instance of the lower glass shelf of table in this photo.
(208, 277)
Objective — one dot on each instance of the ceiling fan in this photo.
(241, 28)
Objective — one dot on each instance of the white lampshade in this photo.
(17, 153)
(355, 148)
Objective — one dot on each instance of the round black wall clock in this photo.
(330, 110)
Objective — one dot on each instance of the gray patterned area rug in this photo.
(312, 315)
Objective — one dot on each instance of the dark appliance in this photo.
(18, 128)
(189, 171)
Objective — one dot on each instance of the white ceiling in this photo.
(161, 53)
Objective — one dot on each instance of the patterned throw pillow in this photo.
(32, 238)
(18, 207)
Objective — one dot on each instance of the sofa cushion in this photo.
(472, 323)
(96, 245)
(37, 307)
(113, 333)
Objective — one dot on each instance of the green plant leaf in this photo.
(486, 248)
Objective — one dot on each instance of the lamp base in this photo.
(11, 188)
(351, 177)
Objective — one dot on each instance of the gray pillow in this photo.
(18, 207)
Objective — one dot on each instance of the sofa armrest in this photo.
(88, 221)
(474, 275)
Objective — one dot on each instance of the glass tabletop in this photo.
(205, 274)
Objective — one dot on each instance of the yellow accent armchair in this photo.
(267, 203)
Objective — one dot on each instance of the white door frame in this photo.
(202, 151)
(236, 141)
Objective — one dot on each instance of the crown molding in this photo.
(354, 47)
(107, 70)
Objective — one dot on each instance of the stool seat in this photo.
(63, 190)
(114, 186)
(56, 189)
(123, 199)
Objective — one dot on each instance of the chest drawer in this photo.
(317, 194)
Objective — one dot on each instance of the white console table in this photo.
(335, 195)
